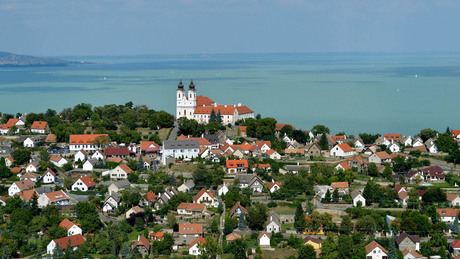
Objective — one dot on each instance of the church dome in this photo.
(180, 86)
(192, 85)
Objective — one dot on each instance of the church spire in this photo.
(192, 85)
(180, 86)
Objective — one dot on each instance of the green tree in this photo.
(242, 222)
(445, 143)
(392, 250)
(320, 129)
(455, 226)
(215, 225)
(306, 252)
(257, 215)
(21, 156)
(44, 156)
(387, 172)
(426, 134)
(346, 226)
(434, 195)
(366, 225)
(299, 218)
(140, 165)
(327, 197)
(329, 248)
(372, 169)
(211, 249)
(335, 195)
(345, 247)
(323, 142)
(238, 248)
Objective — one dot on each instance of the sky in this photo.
(116, 27)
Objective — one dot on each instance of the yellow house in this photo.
(238, 153)
(204, 197)
(316, 243)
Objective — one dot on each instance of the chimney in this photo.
(234, 105)
(298, 163)
(225, 106)
(239, 104)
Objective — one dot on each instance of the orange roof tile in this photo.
(236, 206)
(201, 192)
(448, 212)
(412, 252)
(383, 155)
(372, 245)
(262, 234)
(150, 196)
(271, 184)
(450, 197)
(148, 144)
(270, 152)
(339, 185)
(190, 206)
(236, 163)
(279, 126)
(57, 195)
(25, 184)
(345, 166)
(203, 101)
(358, 158)
(75, 240)
(28, 194)
(243, 128)
(190, 228)
(262, 165)
(142, 241)
(51, 138)
(87, 139)
(338, 137)
(114, 159)
(125, 168)
(392, 136)
(455, 244)
(66, 224)
(10, 123)
(16, 170)
(455, 133)
(55, 158)
(232, 236)
(39, 125)
(345, 147)
(88, 181)
(261, 143)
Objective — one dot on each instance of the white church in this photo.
(199, 107)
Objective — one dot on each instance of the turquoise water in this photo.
(351, 92)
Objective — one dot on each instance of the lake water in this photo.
(351, 92)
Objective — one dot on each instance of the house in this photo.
(382, 141)
(343, 166)
(252, 181)
(188, 232)
(418, 142)
(188, 186)
(142, 245)
(57, 160)
(9, 161)
(32, 168)
(186, 208)
(50, 139)
(81, 155)
(411, 254)
(118, 152)
(403, 197)
(375, 251)
(236, 166)
(39, 127)
(264, 145)
(358, 162)
(342, 150)
(20, 186)
(316, 243)
(87, 142)
(321, 190)
(273, 186)
(32, 140)
(342, 186)
(148, 147)
(407, 242)
(394, 148)
(448, 215)
(84, 184)
(70, 227)
(431, 147)
(296, 168)
(399, 188)
(393, 137)
(380, 157)
(186, 149)
(18, 123)
(294, 151)
(262, 166)
(148, 199)
(272, 154)
(111, 202)
(158, 236)
(32, 176)
(222, 189)
(28, 195)
(120, 172)
(274, 224)
(231, 237)
(263, 239)
(97, 155)
(134, 211)
(407, 141)
(356, 196)
(237, 209)
(74, 242)
(53, 198)
(453, 199)
(118, 186)
(205, 197)
(313, 150)
(88, 165)
(454, 247)
(193, 248)
(358, 143)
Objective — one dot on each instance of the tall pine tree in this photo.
(219, 117)
(299, 218)
(242, 222)
(392, 251)
(455, 226)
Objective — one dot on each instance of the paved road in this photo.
(173, 134)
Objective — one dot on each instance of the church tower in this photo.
(186, 102)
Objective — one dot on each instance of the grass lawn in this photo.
(284, 210)
(287, 226)
(133, 235)
(442, 184)
(279, 253)
(187, 168)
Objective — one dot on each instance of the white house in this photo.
(120, 172)
(448, 215)
(187, 186)
(193, 248)
(20, 186)
(342, 150)
(88, 166)
(274, 186)
(49, 176)
(187, 148)
(222, 189)
(111, 202)
(431, 147)
(75, 241)
(418, 142)
(31, 168)
(358, 143)
(375, 251)
(87, 142)
(453, 199)
(98, 155)
(272, 154)
(81, 155)
(29, 142)
(53, 198)
(9, 161)
(18, 123)
(394, 148)
(264, 146)
(358, 197)
(39, 127)
(274, 224)
(263, 239)
(58, 160)
(407, 141)
(83, 184)
(32, 176)
(72, 228)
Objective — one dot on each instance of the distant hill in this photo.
(13, 60)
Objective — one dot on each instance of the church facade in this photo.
(199, 107)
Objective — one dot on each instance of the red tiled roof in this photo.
(383, 155)
(125, 168)
(358, 158)
(29, 175)
(262, 234)
(237, 205)
(262, 165)
(199, 239)
(232, 236)
(450, 197)
(10, 158)
(345, 147)
(148, 144)
(372, 245)
(339, 185)
(338, 137)
(16, 170)
(243, 128)
(114, 159)
(57, 195)
(66, 224)
(203, 100)
(88, 181)
(190, 206)
(261, 143)
(413, 252)
(455, 133)
(75, 240)
(202, 191)
(87, 139)
(271, 184)
(51, 138)
(39, 125)
(119, 151)
(25, 184)
(202, 141)
(224, 109)
(142, 241)
(345, 165)
(150, 196)
(55, 158)
(10, 123)
(28, 194)
(236, 163)
(455, 244)
(294, 151)
(279, 126)
(448, 212)
(392, 136)
(190, 228)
